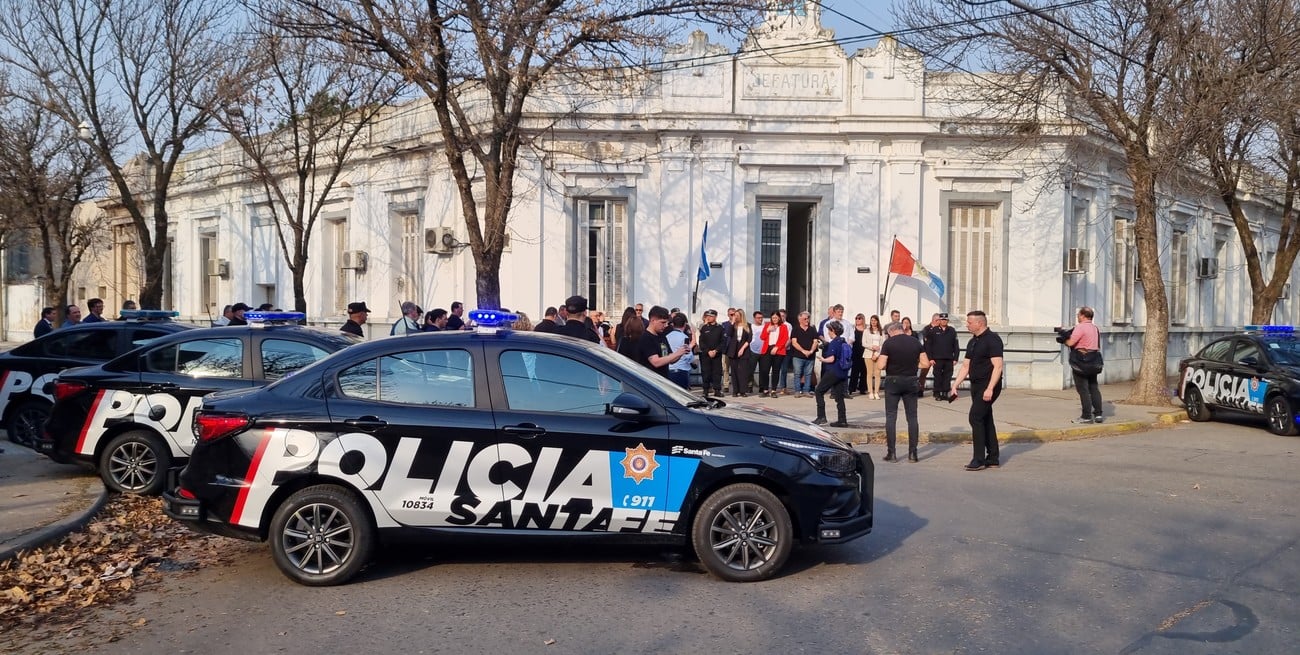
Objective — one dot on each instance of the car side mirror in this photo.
(628, 406)
(1249, 361)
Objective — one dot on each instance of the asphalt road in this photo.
(1182, 540)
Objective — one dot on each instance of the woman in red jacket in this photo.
(775, 336)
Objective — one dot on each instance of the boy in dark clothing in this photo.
(833, 378)
(653, 350)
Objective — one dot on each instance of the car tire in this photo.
(27, 422)
(742, 533)
(1281, 419)
(321, 536)
(135, 462)
(1195, 405)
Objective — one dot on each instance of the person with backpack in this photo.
(837, 362)
(900, 357)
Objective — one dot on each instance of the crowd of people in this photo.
(72, 316)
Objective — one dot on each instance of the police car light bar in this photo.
(492, 320)
(272, 318)
(148, 314)
(1270, 328)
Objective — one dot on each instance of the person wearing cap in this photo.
(713, 344)
(409, 323)
(237, 314)
(576, 325)
(357, 314)
(943, 351)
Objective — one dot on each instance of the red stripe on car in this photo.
(236, 517)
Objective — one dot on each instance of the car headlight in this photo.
(825, 458)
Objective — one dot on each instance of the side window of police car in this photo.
(1218, 351)
(84, 344)
(1247, 354)
(542, 382)
(201, 358)
(281, 356)
(442, 378)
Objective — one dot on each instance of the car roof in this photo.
(38, 343)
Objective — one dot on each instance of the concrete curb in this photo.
(877, 435)
(57, 530)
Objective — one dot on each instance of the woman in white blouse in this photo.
(871, 352)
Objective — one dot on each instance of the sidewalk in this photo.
(41, 501)
(1020, 414)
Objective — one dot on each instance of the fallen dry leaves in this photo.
(103, 563)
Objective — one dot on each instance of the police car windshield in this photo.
(1284, 350)
(659, 382)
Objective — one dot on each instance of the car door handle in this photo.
(367, 422)
(162, 386)
(525, 430)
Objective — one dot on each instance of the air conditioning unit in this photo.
(439, 240)
(1207, 267)
(1076, 260)
(354, 259)
(217, 268)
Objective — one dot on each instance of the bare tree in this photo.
(1240, 88)
(1107, 65)
(45, 174)
(478, 61)
(303, 108)
(135, 75)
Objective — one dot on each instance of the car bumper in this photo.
(841, 528)
(195, 514)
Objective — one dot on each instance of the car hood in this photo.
(769, 422)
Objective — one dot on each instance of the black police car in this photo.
(25, 370)
(1256, 372)
(131, 417)
(512, 434)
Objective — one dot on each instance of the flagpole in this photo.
(884, 297)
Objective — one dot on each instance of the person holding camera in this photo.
(1084, 342)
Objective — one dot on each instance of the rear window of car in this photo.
(1217, 351)
(200, 358)
(83, 344)
(282, 356)
(440, 377)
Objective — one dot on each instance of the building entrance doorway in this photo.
(785, 257)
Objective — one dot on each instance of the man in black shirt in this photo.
(803, 348)
(548, 322)
(713, 343)
(942, 349)
(653, 350)
(983, 365)
(899, 357)
(237, 313)
(577, 325)
(357, 314)
(455, 322)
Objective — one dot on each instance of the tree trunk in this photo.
(1150, 387)
(151, 293)
(299, 290)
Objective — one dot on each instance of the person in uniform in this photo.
(983, 365)
(942, 349)
(577, 325)
(237, 314)
(713, 347)
(900, 356)
(357, 315)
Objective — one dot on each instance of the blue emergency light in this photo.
(148, 314)
(1285, 329)
(493, 318)
(264, 318)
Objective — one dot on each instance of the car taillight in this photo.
(67, 389)
(213, 427)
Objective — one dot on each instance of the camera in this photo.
(1063, 334)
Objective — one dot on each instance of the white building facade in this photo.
(805, 162)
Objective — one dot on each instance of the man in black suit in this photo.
(46, 324)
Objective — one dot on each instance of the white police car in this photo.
(1256, 372)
